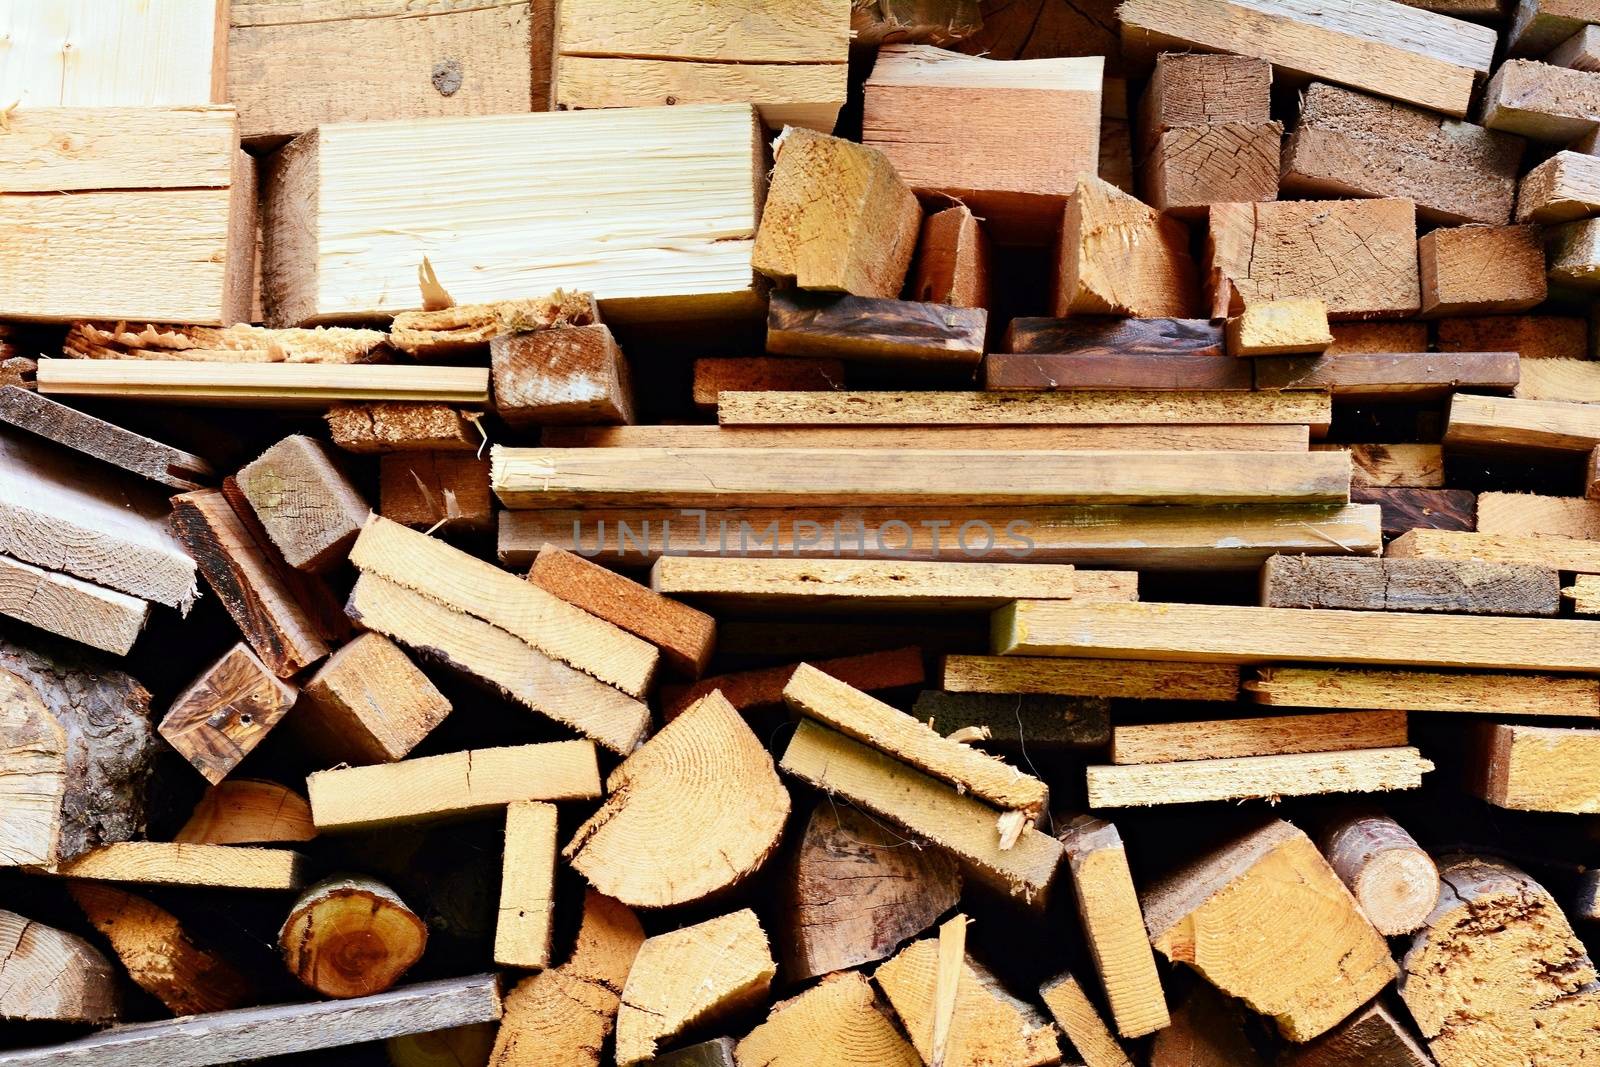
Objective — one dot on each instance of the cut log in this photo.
(717, 1052)
(1170, 371)
(854, 896)
(1279, 328)
(159, 954)
(837, 1021)
(501, 660)
(1139, 679)
(267, 385)
(572, 374)
(1496, 975)
(1208, 1030)
(63, 512)
(1541, 102)
(1480, 693)
(1026, 720)
(1519, 514)
(1536, 768)
(1402, 376)
(432, 491)
(351, 937)
(1394, 466)
(1562, 188)
(1263, 736)
(226, 712)
(307, 505)
(1374, 1037)
(457, 783)
(248, 811)
(691, 977)
(952, 263)
(874, 329)
(987, 1024)
(1530, 336)
(1080, 1020)
(49, 975)
(1011, 409)
(788, 58)
(760, 374)
(1413, 56)
(1457, 587)
(70, 607)
(527, 886)
(1372, 770)
(1481, 269)
(762, 688)
(924, 21)
(1351, 337)
(926, 808)
(685, 636)
(101, 440)
(1233, 916)
(692, 261)
(837, 217)
(1556, 553)
(1358, 256)
(1233, 634)
(1391, 877)
(709, 770)
(1108, 909)
(1018, 184)
(1120, 257)
(242, 575)
(385, 426)
(1404, 510)
(170, 863)
(1101, 336)
(1351, 144)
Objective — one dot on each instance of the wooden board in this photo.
(1018, 409)
(1372, 770)
(1403, 376)
(1231, 634)
(1262, 736)
(435, 491)
(1487, 422)
(102, 440)
(1103, 336)
(1560, 553)
(71, 607)
(1481, 269)
(457, 783)
(1460, 692)
(952, 261)
(763, 687)
(873, 329)
(1386, 48)
(1455, 587)
(1159, 438)
(1081, 1021)
(1167, 538)
(1395, 466)
(171, 863)
(1541, 102)
(1536, 768)
(693, 260)
(1351, 144)
(368, 703)
(569, 374)
(1404, 510)
(1563, 188)
(270, 385)
(1530, 336)
(1568, 380)
(1147, 371)
(254, 1033)
(1517, 514)
(743, 374)
(527, 886)
(545, 478)
(788, 58)
(1139, 679)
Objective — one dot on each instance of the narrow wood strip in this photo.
(1560, 553)
(105, 441)
(1270, 735)
(1374, 770)
(1021, 409)
(1100, 335)
(1150, 371)
(176, 863)
(1508, 422)
(1404, 376)
(268, 385)
(1140, 679)
(1245, 438)
(1461, 692)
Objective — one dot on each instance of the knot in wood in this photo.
(447, 76)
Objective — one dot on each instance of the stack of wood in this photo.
(800, 533)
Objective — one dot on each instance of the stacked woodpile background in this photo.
(799, 533)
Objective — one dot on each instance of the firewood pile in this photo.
(799, 533)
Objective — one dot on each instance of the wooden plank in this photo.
(788, 58)
(509, 664)
(1145, 371)
(1559, 553)
(1457, 587)
(1530, 336)
(873, 329)
(238, 569)
(1506, 422)
(1032, 720)
(691, 261)
(1570, 251)
(1149, 274)
(1541, 102)
(1292, 326)
(270, 385)
(1081, 1021)
(173, 863)
(1351, 144)
(1404, 510)
(952, 262)
(799, 585)
(1388, 337)
(1466, 693)
(239, 343)
(810, 237)
(1584, 592)
(457, 783)
(1100, 335)
(1518, 514)
(464, 583)
(367, 704)
(1394, 466)
(1481, 269)
(1275, 735)
(693, 477)
(566, 374)
(1537, 26)
(1166, 538)
(1413, 56)
(527, 886)
(1536, 768)
(305, 503)
(1580, 51)
(226, 712)
(1405, 376)
(70, 607)
(105, 441)
(1018, 184)
(1138, 679)
(252, 1033)
(61, 512)
(925, 807)
(1570, 380)
(78, 54)
(1310, 248)
(743, 374)
(1029, 409)
(745, 690)
(434, 491)
(86, 148)
(401, 426)
(1562, 188)
(1233, 634)
(1159, 438)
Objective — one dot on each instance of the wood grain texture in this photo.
(270, 385)
(1373, 770)
(226, 712)
(1460, 692)
(1105, 371)
(1374, 1036)
(869, 672)
(1081, 1021)
(1456, 587)
(49, 975)
(1157, 438)
(1275, 735)
(1137, 679)
(70, 607)
(1481, 269)
(1189, 168)
(1402, 376)
(873, 329)
(1099, 335)
(570, 374)
(400, 426)
(350, 937)
(527, 886)
(1390, 337)
(1570, 254)
(1541, 102)
(1290, 326)
(1394, 466)
(1208, 1030)
(1563, 188)
(744, 374)
(1404, 510)
(435, 491)
(248, 811)
(838, 1020)
(102, 440)
(1530, 336)
(1128, 407)
(1518, 514)
(367, 703)
(1012, 721)
(1393, 879)
(1575, 381)
(1559, 553)
(1231, 634)
(1536, 768)
(952, 262)
(1487, 422)
(1118, 256)
(181, 864)
(305, 502)
(79, 148)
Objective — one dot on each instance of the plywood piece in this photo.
(693, 260)
(527, 886)
(952, 263)
(102, 440)
(1118, 256)
(1012, 140)
(1481, 269)
(1536, 768)
(298, 65)
(50, 975)
(1350, 144)
(367, 704)
(1160, 438)
(1265, 919)
(569, 374)
(1456, 587)
(743, 374)
(1358, 256)
(874, 329)
(226, 712)
(1280, 328)
(70, 607)
(248, 811)
(269, 385)
(433, 491)
(176, 863)
(835, 1022)
(1460, 692)
(837, 217)
(1541, 102)
(1081, 1021)
(1138, 679)
(400, 426)
(1273, 735)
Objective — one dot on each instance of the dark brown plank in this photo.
(803, 323)
(1014, 720)
(717, 1053)
(102, 440)
(1089, 334)
(1403, 375)
(1115, 370)
(1420, 509)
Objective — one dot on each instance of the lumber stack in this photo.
(772, 533)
